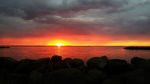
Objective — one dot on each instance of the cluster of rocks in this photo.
(55, 70)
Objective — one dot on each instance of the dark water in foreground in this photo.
(72, 52)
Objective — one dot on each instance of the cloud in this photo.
(34, 18)
(33, 8)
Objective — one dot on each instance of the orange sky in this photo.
(73, 41)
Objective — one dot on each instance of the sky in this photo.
(75, 22)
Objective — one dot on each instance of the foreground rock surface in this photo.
(55, 70)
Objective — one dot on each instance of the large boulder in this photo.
(139, 76)
(42, 63)
(116, 66)
(113, 81)
(95, 77)
(65, 76)
(7, 63)
(76, 63)
(68, 63)
(25, 66)
(65, 63)
(35, 77)
(97, 62)
(56, 58)
(140, 63)
(13, 78)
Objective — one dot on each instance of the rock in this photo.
(7, 63)
(13, 78)
(116, 66)
(68, 63)
(113, 81)
(137, 60)
(66, 76)
(147, 65)
(76, 63)
(138, 76)
(56, 59)
(35, 77)
(140, 63)
(73, 63)
(97, 62)
(67, 60)
(65, 63)
(42, 63)
(95, 77)
(25, 66)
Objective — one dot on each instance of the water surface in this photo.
(72, 52)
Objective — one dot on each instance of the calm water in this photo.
(72, 52)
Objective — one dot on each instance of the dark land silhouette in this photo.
(137, 48)
(55, 70)
(4, 47)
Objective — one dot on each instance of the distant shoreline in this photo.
(4, 46)
(137, 48)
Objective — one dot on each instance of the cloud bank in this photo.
(34, 18)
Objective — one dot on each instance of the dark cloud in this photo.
(33, 8)
(34, 18)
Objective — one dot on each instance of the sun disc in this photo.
(59, 44)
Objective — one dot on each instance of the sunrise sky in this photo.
(75, 22)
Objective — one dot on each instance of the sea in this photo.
(84, 53)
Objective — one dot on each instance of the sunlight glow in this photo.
(58, 43)
(129, 43)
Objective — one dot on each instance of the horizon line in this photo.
(69, 46)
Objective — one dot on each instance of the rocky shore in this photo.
(55, 70)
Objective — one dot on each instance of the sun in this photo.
(59, 44)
